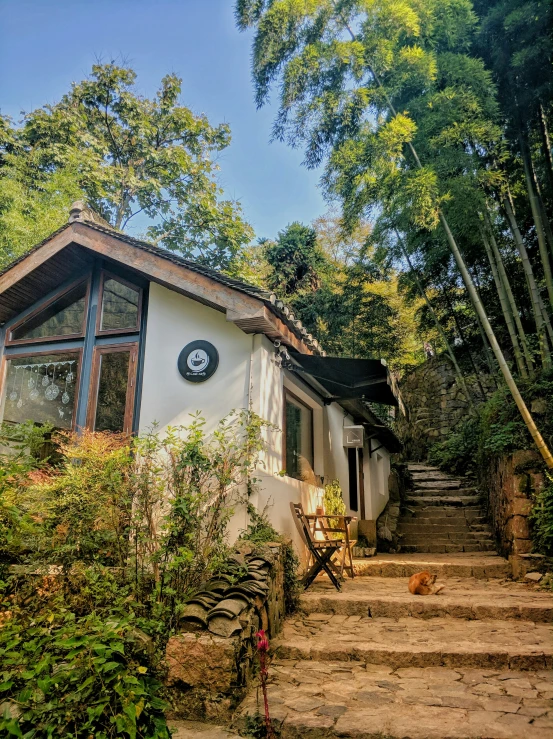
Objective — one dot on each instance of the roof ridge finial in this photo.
(76, 211)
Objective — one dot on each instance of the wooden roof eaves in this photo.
(250, 313)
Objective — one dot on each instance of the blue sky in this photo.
(47, 44)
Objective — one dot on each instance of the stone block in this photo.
(518, 528)
(522, 546)
(201, 660)
(367, 528)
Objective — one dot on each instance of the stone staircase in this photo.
(375, 662)
(443, 514)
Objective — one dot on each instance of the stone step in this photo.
(463, 598)
(450, 484)
(450, 547)
(421, 467)
(443, 537)
(430, 508)
(431, 475)
(418, 492)
(414, 526)
(410, 642)
(457, 518)
(453, 500)
(479, 566)
(323, 698)
(199, 730)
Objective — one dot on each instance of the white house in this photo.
(103, 331)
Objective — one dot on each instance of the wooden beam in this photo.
(35, 258)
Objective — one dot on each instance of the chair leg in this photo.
(325, 561)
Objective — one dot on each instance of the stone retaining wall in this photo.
(212, 661)
(435, 404)
(509, 483)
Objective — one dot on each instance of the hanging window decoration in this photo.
(41, 388)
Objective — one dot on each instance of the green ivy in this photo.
(541, 518)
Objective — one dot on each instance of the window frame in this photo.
(107, 275)
(94, 385)
(46, 352)
(48, 339)
(289, 394)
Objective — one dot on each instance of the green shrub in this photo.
(458, 452)
(541, 518)
(333, 499)
(78, 677)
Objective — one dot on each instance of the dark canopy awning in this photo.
(348, 379)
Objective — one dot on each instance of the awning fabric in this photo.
(348, 379)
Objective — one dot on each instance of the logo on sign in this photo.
(198, 361)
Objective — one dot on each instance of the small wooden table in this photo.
(335, 524)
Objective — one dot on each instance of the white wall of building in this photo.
(169, 399)
(247, 375)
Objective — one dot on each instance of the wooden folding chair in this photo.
(336, 524)
(321, 550)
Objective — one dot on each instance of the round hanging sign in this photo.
(198, 361)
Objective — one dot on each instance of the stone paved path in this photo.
(375, 662)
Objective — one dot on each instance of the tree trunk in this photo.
(536, 215)
(422, 291)
(510, 297)
(531, 281)
(505, 307)
(485, 342)
(546, 147)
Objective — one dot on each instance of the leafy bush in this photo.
(458, 452)
(333, 499)
(541, 518)
(124, 530)
(79, 677)
(20, 456)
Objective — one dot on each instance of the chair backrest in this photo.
(301, 523)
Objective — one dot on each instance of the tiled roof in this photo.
(276, 306)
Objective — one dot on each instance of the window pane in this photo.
(112, 391)
(299, 441)
(63, 317)
(41, 389)
(119, 306)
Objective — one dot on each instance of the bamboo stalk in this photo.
(422, 291)
(537, 217)
(510, 297)
(505, 307)
(531, 282)
(475, 299)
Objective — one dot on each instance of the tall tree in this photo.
(346, 67)
(134, 155)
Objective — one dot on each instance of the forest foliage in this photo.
(432, 120)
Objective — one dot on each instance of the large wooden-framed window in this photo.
(298, 438)
(120, 305)
(42, 387)
(61, 318)
(112, 388)
(73, 360)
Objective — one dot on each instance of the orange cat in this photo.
(423, 584)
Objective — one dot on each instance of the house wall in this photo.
(247, 374)
(169, 399)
